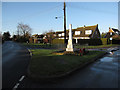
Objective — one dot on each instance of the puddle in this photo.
(106, 59)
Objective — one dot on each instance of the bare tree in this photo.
(24, 30)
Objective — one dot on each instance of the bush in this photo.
(88, 41)
(58, 41)
(69, 53)
(95, 42)
(114, 41)
(104, 41)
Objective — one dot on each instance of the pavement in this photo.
(15, 60)
(104, 73)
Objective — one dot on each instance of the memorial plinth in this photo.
(70, 45)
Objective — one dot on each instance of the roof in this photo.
(38, 36)
(83, 29)
(35, 35)
(88, 27)
(115, 30)
(111, 31)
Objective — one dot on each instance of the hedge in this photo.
(88, 41)
(58, 41)
(114, 41)
(102, 41)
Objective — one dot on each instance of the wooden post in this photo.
(64, 22)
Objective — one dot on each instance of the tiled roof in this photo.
(82, 29)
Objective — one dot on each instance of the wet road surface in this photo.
(101, 74)
(15, 60)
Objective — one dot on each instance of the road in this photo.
(15, 60)
(101, 74)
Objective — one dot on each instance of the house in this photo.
(114, 33)
(37, 38)
(48, 37)
(86, 32)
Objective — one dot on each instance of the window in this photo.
(59, 35)
(81, 37)
(117, 32)
(55, 35)
(88, 32)
(86, 38)
(77, 32)
(62, 34)
(111, 33)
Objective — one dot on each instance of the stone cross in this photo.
(70, 45)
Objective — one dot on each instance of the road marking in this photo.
(30, 52)
(21, 78)
(16, 86)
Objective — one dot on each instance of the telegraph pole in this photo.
(64, 22)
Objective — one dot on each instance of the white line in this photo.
(30, 52)
(16, 86)
(21, 78)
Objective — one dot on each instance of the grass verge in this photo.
(46, 64)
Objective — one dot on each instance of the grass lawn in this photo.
(99, 46)
(44, 63)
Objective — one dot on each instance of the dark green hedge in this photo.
(102, 41)
(114, 41)
(88, 41)
(58, 41)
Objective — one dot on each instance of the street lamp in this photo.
(57, 17)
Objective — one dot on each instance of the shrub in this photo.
(104, 41)
(69, 53)
(58, 41)
(88, 41)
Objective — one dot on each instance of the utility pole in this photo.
(64, 22)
